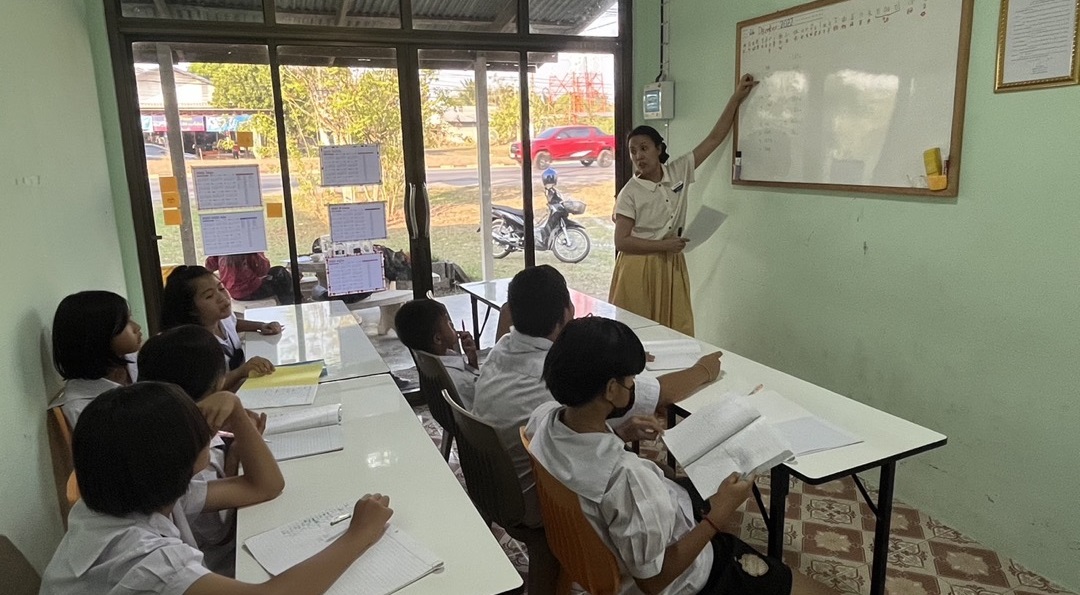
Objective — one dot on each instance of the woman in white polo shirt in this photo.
(650, 277)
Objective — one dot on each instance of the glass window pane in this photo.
(595, 18)
(469, 157)
(493, 16)
(340, 13)
(571, 95)
(218, 112)
(233, 11)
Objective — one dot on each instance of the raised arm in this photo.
(727, 119)
(262, 479)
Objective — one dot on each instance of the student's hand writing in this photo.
(746, 84)
(270, 328)
(649, 357)
(218, 408)
(674, 244)
(369, 518)
(259, 366)
(640, 427)
(732, 492)
(711, 363)
(468, 348)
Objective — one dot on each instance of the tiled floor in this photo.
(829, 537)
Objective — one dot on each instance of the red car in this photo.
(587, 144)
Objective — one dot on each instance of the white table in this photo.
(318, 330)
(387, 451)
(886, 440)
(493, 295)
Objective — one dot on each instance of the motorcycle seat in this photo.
(511, 210)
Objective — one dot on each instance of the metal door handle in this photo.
(410, 212)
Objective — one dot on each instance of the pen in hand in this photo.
(341, 518)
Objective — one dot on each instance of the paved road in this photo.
(507, 175)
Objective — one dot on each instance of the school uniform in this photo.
(639, 513)
(656, 285)
(463, 375)
(136, 553)
(78, 392)
(230, 343)
(511, 387)
(214, 532)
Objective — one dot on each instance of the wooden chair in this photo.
(585, 559)
(434, 380)
(67, 488)
(493, 486)
(17, 575)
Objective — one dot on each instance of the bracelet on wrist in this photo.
(712, 524)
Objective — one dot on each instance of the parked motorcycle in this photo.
(567, 239)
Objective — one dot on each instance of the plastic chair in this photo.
(493, 486)
(434, 380)
(584, 557)
(16, 573)
(67, 489)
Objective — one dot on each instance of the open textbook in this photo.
(304, 432)
(672, 354)
(288, 385)
(725, 437)
(394, 562)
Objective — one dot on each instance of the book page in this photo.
(675, 354)
(302, 419)
(277, 396)
(812, 434)
(754, 449)
(306, 373)
(394, 562)
(278, 550)
(708, 428)
(774, 407)
(304, 443)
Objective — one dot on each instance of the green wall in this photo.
(59, 235)
(961, 316)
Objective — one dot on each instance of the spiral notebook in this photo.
(391, 564)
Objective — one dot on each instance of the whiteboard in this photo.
(852, 92)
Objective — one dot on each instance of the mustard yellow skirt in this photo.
(656, 286)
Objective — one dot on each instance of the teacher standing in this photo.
(650, 277)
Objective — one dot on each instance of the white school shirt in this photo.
(231, 342)
(463, 375)
(636, 511)
(213, 531)
(657, 208)
(511, 387)
(136, 553)
(78, 392)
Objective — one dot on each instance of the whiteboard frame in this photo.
(959, 103)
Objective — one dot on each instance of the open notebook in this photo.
(304, 432)
(804, 431)
(672, 354)
(394, 562)
(725, 437)
(288, 385)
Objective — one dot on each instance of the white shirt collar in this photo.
(93, 532)
(584, 463)
(649, 184)
(519, 341)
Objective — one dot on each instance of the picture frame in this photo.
(1037, 45)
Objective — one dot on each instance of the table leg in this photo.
(475, 320)
(882, 529)
(778, 492)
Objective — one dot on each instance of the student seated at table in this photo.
(250, 277)
(137, 450)
(425, 325)
(643, 518)
(194, 295)
(511, 385)
(189, 356)
(94, 340)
